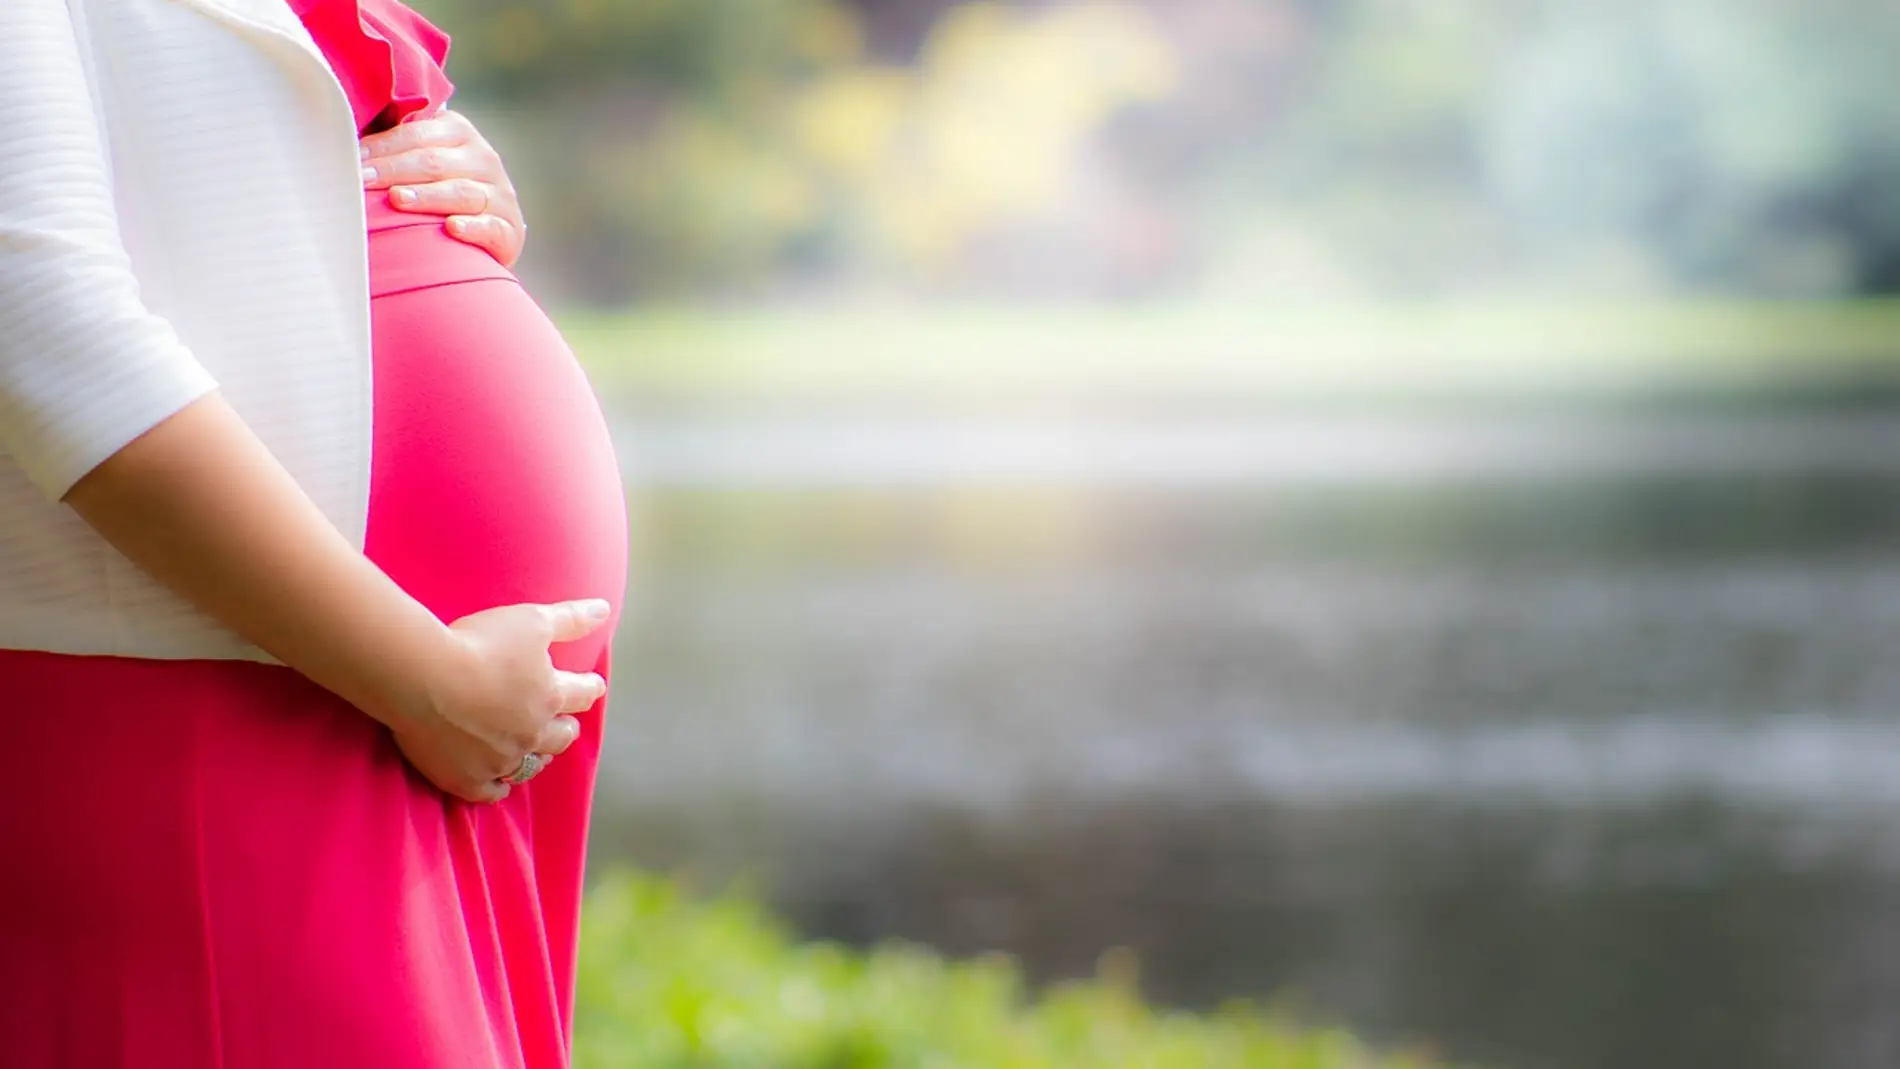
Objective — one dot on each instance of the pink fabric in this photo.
(218, 865)
(388, 58)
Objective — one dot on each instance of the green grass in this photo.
(669, 981)
(1409, 351)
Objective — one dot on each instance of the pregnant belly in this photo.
(493, 479)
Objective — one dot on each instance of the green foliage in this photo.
(1219, 148)
(713, 145)
(672, 982)
(1751, 143)
(698, 49)
(1415, 353)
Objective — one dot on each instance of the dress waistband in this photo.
(408, 251)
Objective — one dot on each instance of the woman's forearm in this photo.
(200, 504)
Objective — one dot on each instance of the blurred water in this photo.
(1249, 452)
(1547, 744)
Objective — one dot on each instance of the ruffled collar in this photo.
(388, 58)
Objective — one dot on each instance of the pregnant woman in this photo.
(311, 545)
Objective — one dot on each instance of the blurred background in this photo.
(1386, 505)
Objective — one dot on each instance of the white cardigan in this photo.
(180, 210)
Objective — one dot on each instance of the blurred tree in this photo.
(1754, 145)
(1238, 147)
(642, 129)
(702, 145)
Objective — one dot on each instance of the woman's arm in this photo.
(200, 504)
(103, 407)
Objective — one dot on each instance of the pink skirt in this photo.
(216, 865)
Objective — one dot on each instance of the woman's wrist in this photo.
(401, 677)
(203, 507)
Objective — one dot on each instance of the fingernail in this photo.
(362, 151)
(405, 196)
(597, 610)
(369, 174)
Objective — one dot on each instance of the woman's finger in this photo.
(431, 163)
(492, 234)
(578, 691)
(486, 793)
(454, 196)
(446, 128)
(560, 733)
(569, 621)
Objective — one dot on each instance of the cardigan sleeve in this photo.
(85, 367)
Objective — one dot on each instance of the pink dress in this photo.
(218, 865)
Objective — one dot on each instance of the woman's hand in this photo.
(495, 697)
(200, 504)
(443, 166)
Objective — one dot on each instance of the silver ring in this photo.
(531, 767)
